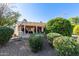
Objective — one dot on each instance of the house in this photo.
(29, 27)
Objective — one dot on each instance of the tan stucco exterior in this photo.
(33, 27)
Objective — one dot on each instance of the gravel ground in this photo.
(21, 48)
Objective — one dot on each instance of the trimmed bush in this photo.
(36, 42)
(5, 34)
(46, 31)
(60, 25)
(52, 36)
(48, 26)
(66, 46)
(76, 30)
(73, 25)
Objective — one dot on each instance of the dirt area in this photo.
(20, 47)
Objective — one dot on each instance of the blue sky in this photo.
(45, 11)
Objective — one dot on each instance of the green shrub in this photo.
(76, 30)
(48, 26)
(5, 34)
(60, 25)
(66, 46)
(47, 31)
(73, 25)
(36, 42)
(52, 36)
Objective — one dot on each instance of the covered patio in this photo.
(29, 27)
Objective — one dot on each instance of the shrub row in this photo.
(61, 26)
(66, 46)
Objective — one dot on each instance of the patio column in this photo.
(20, 28)
(24, 29)
(20, 31)
(33, 30)
(42, 29)
(16, 30)
(36, 29)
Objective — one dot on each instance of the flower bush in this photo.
(5, 34)
(66, 46)
(60, 25)
(36, 42)
(52, 36)
(76, 30)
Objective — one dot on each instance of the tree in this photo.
(74, 20)
(12, 18)
(7, 16)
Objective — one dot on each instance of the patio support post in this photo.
(20, 28)
(16, 32)
(33, 30)
(36, 29)
(20, 32)
(42, 29)
(24, 29)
